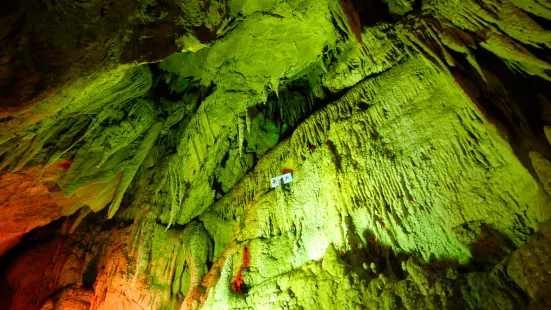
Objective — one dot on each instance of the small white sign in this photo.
(286, 178)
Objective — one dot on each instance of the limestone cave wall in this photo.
(138, 140)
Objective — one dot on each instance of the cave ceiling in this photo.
(139, 138)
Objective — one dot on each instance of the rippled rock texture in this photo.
(138, 140)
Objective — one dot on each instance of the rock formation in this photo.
(138, 139)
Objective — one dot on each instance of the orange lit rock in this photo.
(28, 200)
(69, 299)
(26, 203)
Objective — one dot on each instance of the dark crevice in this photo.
(523, 90)
(160, 88)
(32, 240)
(318, 104)
(544, 23)
(225, 159)
(217, 187)
(6, 119)
(91, 273)
(174, 225)
(372, 12)
(519, 108)
(110, 224)
(6, 293)
(362, 106)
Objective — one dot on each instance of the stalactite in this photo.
(400, 149)
(240, 134)
(395, 198)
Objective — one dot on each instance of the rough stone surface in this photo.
(138, 138)
(529, 266)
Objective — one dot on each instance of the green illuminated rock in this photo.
(416, 133)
